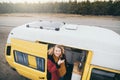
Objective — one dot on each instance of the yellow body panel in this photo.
(87, 65)
(32, 61)
(32, 49)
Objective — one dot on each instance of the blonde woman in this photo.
(56, 63)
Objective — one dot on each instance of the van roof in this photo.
(104, 43)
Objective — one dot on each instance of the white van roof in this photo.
(104, 43)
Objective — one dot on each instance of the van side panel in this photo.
(33, 51)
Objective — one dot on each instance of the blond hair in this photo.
(51, 50)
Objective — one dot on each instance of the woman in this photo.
(56, 63)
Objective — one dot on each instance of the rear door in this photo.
(30, 58)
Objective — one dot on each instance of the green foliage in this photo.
(83, 8)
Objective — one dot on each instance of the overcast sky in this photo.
(42, 1)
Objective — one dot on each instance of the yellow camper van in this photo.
(92, 53)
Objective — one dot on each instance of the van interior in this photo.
(76, 59)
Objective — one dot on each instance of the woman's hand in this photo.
(60, 61)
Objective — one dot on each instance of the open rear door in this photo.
(30, 58)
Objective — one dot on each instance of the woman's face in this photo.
(57, 51)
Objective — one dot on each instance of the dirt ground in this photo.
(6, 73)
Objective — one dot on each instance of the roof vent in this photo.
(57, 29)
(27, 25)
(41, 27)
(64, 23)
(71, 27)
(40, 20)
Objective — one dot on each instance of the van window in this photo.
(98, 74)
(31, 61)
(40, 64)
(21, 58)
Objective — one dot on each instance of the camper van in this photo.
(92, 53)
